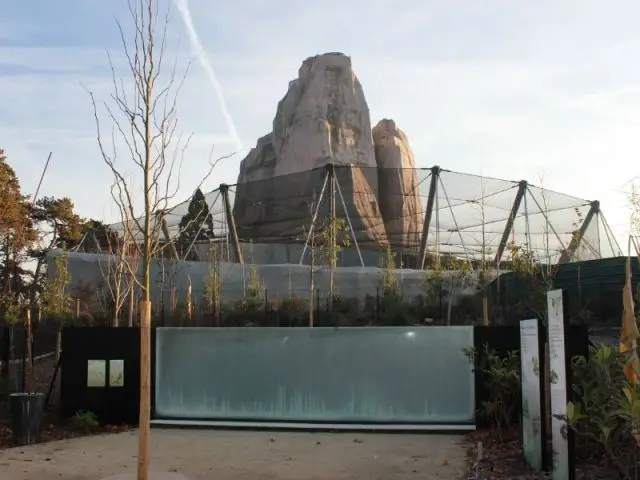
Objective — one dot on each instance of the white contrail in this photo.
(196, 45)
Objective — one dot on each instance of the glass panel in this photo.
(373, 374)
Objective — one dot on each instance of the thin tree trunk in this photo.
(117, 305)
(144, 424)
(333, 235)
(36, 277)
(311, 284)
(30, 376)
(7, 267)
(145, 305)
(131, 304)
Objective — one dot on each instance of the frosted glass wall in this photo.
(281, 281)
(388, 374)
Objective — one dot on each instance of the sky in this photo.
(545, 90)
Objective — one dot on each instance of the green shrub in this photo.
(85, 421)
(604, 408)
(501, 374)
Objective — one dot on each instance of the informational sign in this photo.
(532, 441)
(116, 373)
(96, 373)
(562, 464)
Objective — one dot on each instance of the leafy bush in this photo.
(501, 375)
(85, 421)
(604, 409)
(392, 310)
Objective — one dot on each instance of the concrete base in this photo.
(152, 476)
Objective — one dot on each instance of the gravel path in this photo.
(245, 455)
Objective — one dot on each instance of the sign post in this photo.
(533, 431)
(560, 371)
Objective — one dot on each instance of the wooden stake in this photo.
(131, 298)
(189, 306)
(58, 345)
(145, 390)
(29, 365)
(485, 309)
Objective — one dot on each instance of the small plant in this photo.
(538, 280)
(85, 421)
(12, 309)
(434, 286)
(213, 283)
(328, 243)
(604, 407)
(502, 380)
(55, 298)
(389, 279)
(440, 288)
(255, 286)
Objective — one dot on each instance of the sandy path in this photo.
(244, 455)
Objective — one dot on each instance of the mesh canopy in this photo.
(383, 207)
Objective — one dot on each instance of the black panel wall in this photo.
(112, 405)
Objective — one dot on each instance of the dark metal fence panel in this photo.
(93, 359)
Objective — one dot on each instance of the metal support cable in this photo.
(455, 222)
(546, 217)
(314, 218)
(346, 213)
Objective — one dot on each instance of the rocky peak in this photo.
(398, 191)
(324, 118)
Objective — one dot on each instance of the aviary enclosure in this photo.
(315, 250)
(285, 251)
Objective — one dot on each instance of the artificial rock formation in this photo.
(324, 119)
(398, 185)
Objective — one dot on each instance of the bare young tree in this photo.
(325, 239)
(142, 113)
(117, 273)
(213, 283)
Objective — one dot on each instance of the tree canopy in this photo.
(196, 225)
(16, 232)
(28, 231)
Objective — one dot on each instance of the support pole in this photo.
(433, 193)
(613, 243)
(522, 189)
(80, 246)
(527, 225)
(167, 237)
(346, 214)
(576, 239)
(231, 223)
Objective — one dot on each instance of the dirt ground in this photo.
(245, 455)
